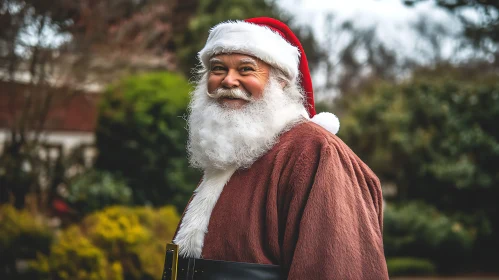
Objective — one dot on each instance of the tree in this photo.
(357, 55)
(30, 68)
(354, 55)
(51, 51)
(434, 136)
(119, 37)
(482, 31)
(141, 135)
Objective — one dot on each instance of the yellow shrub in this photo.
(162, 222)
(73, 256)
(134, 236)
(115, 227)
(115, 243)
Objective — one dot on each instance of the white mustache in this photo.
(230, 93)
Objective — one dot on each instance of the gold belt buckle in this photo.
(174, 249)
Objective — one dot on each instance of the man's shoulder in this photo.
(309, 134)
(310, 140)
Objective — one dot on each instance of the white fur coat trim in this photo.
(251, 39)
(194, 226)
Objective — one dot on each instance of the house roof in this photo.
(69, 110)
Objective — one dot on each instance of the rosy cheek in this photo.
(257, 88)
(213, 83)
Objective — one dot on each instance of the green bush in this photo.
(22, 237)
(95, 190)
(419, 230)
(435, 137)
(141, 134)
(409, 267)
(115, 243)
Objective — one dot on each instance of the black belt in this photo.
(196, 269)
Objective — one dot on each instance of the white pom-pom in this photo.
(327, 120)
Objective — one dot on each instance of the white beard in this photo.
(224, 138)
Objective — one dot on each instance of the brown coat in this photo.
(309, 204)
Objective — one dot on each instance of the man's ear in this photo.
(283, 83)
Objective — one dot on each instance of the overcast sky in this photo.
(391, 18)
(385, 13)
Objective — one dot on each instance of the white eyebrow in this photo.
(248, 60)
(215, 60)
(242, 61)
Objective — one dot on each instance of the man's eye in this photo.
(217, 68)
(246, 69)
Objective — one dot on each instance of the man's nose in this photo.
(231, 80)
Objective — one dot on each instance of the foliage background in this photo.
(427, 129)
(141, 135)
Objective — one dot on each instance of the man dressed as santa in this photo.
(282, 197)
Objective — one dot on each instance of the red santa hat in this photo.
(274, 43)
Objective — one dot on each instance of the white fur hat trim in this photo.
(255, 40)
(327, 120)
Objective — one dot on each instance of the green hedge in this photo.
(435, 137)
(410, 267)
(141, 135)
(419, 230)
